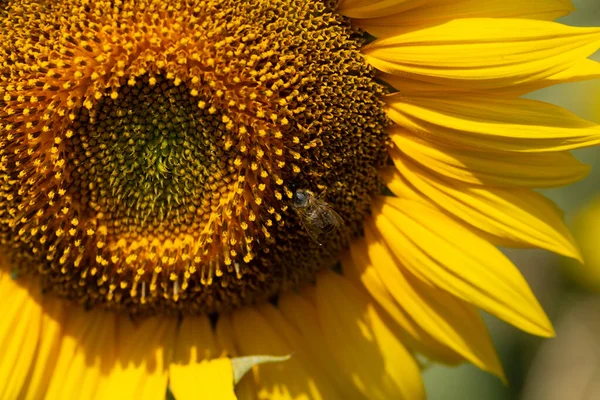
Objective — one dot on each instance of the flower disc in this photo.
(151, 150)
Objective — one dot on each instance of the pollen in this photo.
(149, 150)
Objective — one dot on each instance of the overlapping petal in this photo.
(362, 343)
(435, 12)
(192, 373)
(375, 8)
(286, 380)
(303, 316)
(449, 320)
(439, 251)
(208, 379)
(480, 121)
(518, 215)
(480, 53)
(141, 359)
(581, 70)
(20, 331)
(485, 168)
(359, 270)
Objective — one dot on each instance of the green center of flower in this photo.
(161, 157)
(148, 161)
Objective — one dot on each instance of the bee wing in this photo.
(329, 219)
(310, 227)
(320, 220)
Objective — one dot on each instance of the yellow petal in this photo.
(446, 318)
(142, 357)
(86, 350)
(225, 336)
(375, 8)
(36, 386)
(303, 316)
(359, 270)
(20, 330)
(579, 71)
(477, 53)
(489, 169)
(441, 252)
(191, 374)
(363, 344)
(287, 380)
(326, 387)
(495, 123)
(518, 215)
(208, 379)
(435, 12)
(195, 341)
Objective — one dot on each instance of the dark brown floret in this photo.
(149, 149)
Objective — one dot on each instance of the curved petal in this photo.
(478, 53)
(86, 350)
(375, 8)
(488, 169)
(363, 344)
(208, 379)
(518, 215)
(441, 252)
(443, 316)
(142, 356)
(20, 331)
(360, 270)
(303, 316)
(435, 12)
(286, 380)
(326, 387)
(225, 337)
(580, 71)
(36, 385)
(478, 120)
(192, 373)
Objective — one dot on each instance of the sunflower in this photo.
(190, 188)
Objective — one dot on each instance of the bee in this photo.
(316, 215)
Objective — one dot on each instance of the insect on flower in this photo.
(316, 215)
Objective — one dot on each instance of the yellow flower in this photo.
(186, 184)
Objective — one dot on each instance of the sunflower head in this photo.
(151, 151)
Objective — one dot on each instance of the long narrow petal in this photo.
(375, 8)
(285, 380)
(495, 123)
(519, 215)
(194, 347)
(86, 349)
(359, 270)
(445, 317)
(20, 331)
(142, 356)
(490, 169)
(303, 316)
(209, 379)
(225, 336)
(36, 385)
(326, 387)
(580, 71)
(436, 12)
(438, 250)
(479, 53)
(363, 344)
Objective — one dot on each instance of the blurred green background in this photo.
(567, 367)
